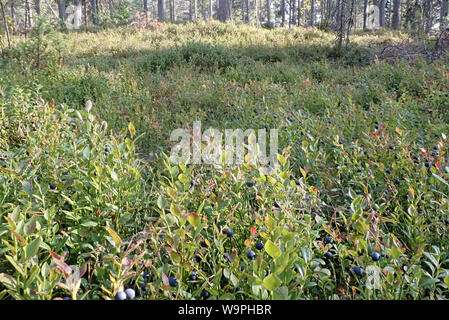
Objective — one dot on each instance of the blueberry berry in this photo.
(375, 256)
(251, 255)
(229, 232)
(328, 255)
(250, 183)
(130, 293)
(120, 295)
(173, 282)
(52, 186)
(427, 164)
(397, 181)
(205, 294)
(193, 276)
(259, 245)
(358, 271)
(328, 239)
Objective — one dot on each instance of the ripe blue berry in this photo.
(52, 186)
(173, 282)
(397, 181)
(259, 245)
(130, 293)
(193, 276)
(388, 171)
(205, 294)
(328, 239)
(229, 232)
(120, 295)
(427, 164)
(328, 255)
(250, 183)
(358, 271)
(238, 289)
(251, 255)
(375, 256)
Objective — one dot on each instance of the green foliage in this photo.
(89, 205)
(43, 49)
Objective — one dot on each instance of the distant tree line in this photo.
(338, 15)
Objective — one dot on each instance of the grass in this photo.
(86, 187)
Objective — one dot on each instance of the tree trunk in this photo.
(283, 12)
(37, 7)
(5, 24)
(224, 12)
(382, 13)
(312, 13)
(428, 10)
(365, 8)
(172, 10)
(269, 12)
(94, 11)
(211, 11)
(298, 23)
(28, 22)
(443, 14)
(194, 9)
(256, 2)
(396, 20)
(13, 12)
(161, 10)
(61, 10)
(77, 15)
(292, 12)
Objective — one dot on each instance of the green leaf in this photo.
(272, 249)
(161, 202)
(271, 282)
(15, 265)
(8, 281)
(89, 223)
(115, 236)
(33, 248)
(305, 254)
(183, 178)
(132, 130)
(281, 293)
(86, 153)
(446, 281)
(30, 226)
(194, 219)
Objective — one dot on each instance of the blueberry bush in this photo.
(92, 208)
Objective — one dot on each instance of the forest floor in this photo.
(362, 186)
